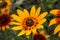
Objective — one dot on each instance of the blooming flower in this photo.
(56, 20)
(40, 36)
(5, 20)
(5, 5)
(29, 22)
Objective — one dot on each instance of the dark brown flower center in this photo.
(4, 20)
(29, 22)
(3, 5)
(39, 37)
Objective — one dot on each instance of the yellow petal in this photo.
(17, 28)
(17, 18)
(34, 30)
(21, 14)
(59, 34)
(37, 12)
(26, 13)
(47, 36)
(7, 10)
(28, 36)
(32, 12)
(15, 23)
(7, 27)
(0, 1)
(57, 29)
(3, 28)
(28, 32)
(54, 12)
(3, 11)
(42, 21)
(39, 26)
(9, 2)
(21, 33)
(53, 21)
(42, 32)
(42, 15)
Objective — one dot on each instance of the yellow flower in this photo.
(56, 20)
(41, 36)
(5, 5)
(29, 22)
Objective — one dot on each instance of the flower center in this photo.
(4, 20)
(3, 5)
(39, 37)
(29, 22)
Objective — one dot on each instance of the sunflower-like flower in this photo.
(56, 20)
(41, 36)
(29, 22)
(5, 5)
(5, 20)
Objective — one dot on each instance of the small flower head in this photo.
(29, 22)
(5, 5)
(56, 20)
(41, 36)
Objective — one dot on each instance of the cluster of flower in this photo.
(28, 22)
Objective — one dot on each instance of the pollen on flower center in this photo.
(4, 5)
(29, 22)
(4, 20)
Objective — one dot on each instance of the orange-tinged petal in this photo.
(17, 28)
(9, 2)
(53, 21)
(3, 28)
(21, 33)
(28, 32)
(7, 27)
(26, 13)
(54, 12)
(37, 12)
(59, 34)
(42, 32)
(57, 29)
(47, 36)
(7, 10)
(3, 11)
(32, 12)
(0, 1)
(17, 18)
(58, 20)
(42, 15)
